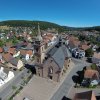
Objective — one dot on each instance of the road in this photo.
(68, 82)
(6, 90)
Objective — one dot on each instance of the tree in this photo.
(93, 66)
(89, 52)
(1, 43)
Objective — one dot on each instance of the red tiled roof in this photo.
(89, 73)
(1, 50)
(11, 50)
(7, 57)
(47, 37)
(24, 52)
(29, 52)
(72, 38)
(85, 47)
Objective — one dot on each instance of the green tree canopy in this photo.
(89, 52)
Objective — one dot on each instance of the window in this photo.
(50, 70)
(42, 48)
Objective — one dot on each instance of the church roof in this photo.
(59, 57)
(59, 53)
(39, 37)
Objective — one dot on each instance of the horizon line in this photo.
(50, 22)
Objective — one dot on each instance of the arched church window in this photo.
(51, 70)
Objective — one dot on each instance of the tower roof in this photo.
(39, 37)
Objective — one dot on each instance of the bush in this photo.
(94, 86)
(93, 66)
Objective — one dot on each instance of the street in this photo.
(6, 90)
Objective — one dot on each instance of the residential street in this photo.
(64, 89)
(6, 90)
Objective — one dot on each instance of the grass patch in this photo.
(93, 87)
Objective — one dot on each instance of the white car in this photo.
(94, 82)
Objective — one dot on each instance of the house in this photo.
(15, 63)
(96, 58)
(77, 53)
(26, 54)
(7, 57)
(73, 43)
(84, 46)
(91, 74)
(5, 76)
(29, 46)
(16, 54)
(21, 44)
(88, 95)
(12, 62)
(1, 59)
(11, 50)
(29, 37)
(1, 50)
(49, 39)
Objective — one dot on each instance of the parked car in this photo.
(94, 82)
(85, 83)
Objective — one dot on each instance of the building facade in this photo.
(54, 63)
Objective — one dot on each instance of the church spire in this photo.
(39, 33)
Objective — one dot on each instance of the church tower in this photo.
(39, 48)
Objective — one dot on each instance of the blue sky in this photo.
(77, 13)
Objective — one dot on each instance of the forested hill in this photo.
(25, 23)
(43, 25)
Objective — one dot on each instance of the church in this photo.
(51, 63)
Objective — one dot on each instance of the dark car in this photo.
(85, 83)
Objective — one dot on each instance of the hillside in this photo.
(26, 23)
(44, 25)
